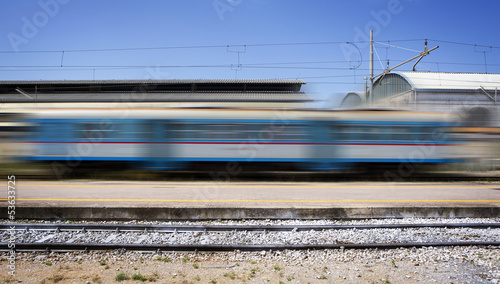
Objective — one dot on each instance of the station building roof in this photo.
(450, 81)
(201, 90)
(395, 83)
(353, 99)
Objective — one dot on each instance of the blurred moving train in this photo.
(175, 138)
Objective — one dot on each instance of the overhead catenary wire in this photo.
(296, 65)
(248, 45)
(191, 47)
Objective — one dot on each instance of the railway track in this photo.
(214, 228)
(148, 237)
(65, 247)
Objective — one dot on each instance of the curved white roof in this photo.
(456, 81)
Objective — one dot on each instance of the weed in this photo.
(48, 263)
(231, 275)
(102, 262)
(185, 259)
(323, 277)
(158, 257)
(196, 266)
(394, 264)
(139, 277)
(197, 278)
(166, 259)
(213, 281)
(277, 267)
(121, 277)
(253, 262)
(290, 278)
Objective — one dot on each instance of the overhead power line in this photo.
(192, 46)
(248, 45)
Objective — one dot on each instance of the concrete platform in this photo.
(94, 200)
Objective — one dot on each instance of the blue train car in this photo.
(171, 138)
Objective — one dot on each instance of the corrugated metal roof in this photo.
(162, 81)
(200, 85)
(453, 81)
(158, 97)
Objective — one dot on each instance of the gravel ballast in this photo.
(469, 264)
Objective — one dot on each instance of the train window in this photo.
(236, 131)
(403, 133)
(176, 131)
(370, 133)
(425, 134)
(221, 131)
(142, 131)
(96, 131)
(385, 133)
(341, 133)
(295, 132)
(439, 134)
(252, 132)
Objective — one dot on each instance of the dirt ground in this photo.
(397, 266)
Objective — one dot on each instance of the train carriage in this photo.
(169, 138)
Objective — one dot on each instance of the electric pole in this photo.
(371, 68)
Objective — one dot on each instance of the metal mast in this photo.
(371, 68)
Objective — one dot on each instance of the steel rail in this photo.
(218, 228)
(199, 247)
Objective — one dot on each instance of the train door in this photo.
(158, 145)
(324, 149)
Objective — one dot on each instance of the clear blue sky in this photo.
(202, 29)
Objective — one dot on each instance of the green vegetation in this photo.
(231, 275)
(139, 277)
(121, 277)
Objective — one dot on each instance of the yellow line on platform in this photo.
(245, 201)
(261, 186)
